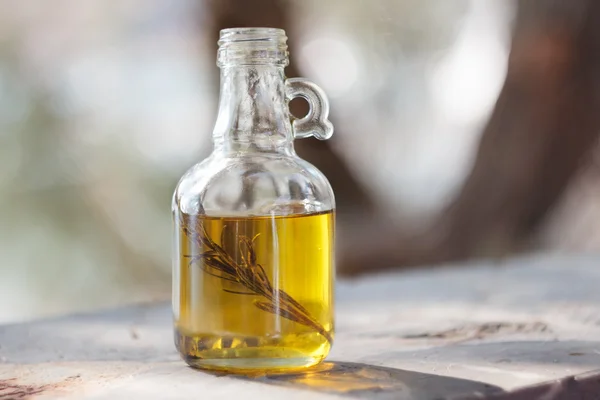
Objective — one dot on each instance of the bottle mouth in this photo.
(252, 46)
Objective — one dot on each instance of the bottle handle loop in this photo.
(315, 123)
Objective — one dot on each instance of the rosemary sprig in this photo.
(248, 273)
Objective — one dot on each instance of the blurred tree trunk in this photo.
(545, 123)
(350, 195)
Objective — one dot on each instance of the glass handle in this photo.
(315, 123)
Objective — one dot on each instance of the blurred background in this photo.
(464, 129)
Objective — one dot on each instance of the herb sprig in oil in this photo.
(249, 274)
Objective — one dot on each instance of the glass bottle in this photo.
(254, 224)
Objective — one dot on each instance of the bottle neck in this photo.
(253, 112)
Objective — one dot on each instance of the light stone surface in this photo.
(429, 334)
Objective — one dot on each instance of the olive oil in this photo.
(253, 293)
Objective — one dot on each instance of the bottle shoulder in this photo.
(253, 184)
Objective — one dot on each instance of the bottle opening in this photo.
(252, 46)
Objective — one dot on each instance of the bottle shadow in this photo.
(364, 381)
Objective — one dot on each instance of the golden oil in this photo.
(254, 294)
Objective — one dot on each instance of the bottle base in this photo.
(251, 354)
(253, 366)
